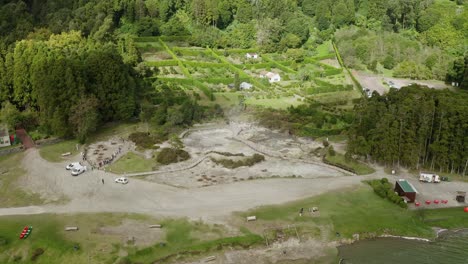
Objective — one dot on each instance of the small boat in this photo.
(26, 231)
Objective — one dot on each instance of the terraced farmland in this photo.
(214, 73)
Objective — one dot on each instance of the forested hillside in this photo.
(70, 65)
(414, 127)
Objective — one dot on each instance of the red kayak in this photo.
(26, 231)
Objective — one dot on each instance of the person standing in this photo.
(102, 181)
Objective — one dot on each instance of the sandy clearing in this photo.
(376, 83)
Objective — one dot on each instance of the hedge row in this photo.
(340, 60)
(222, 80)
(278, 65)
(189, 51)
(384, 189)
(255, 65)
(310, 60)
(206, 64)
(234, 51)
(161, 63)
(330, 70)
(324, 57)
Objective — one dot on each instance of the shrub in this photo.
(170, 155)
(331, 151)
(37, 253)
(3, 241)
(326, 143)
(143, 139)
(232, 164)
(384, 189)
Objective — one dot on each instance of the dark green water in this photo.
(450, 248)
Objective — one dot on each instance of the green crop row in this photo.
(190, 51)
(324, 57)
(206, 64)
(179, 63)
(161, 63)
(233, 51)
(223, 80)
(255, 65)
(278, 65)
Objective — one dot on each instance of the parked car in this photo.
(121, 180)
(77, 170)
(72, 165)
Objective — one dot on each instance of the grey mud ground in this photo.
(208, 191)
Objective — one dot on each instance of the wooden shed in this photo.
(406, 190)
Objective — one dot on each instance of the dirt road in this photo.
(87, 193)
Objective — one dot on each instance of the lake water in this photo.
(450, 248)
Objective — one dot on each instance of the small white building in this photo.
(4, 137)
(245, 86)
(272, 77)
(251, 56)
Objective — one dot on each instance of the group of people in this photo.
(109, 160)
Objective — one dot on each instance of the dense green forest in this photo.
(414, 127)
(67, 66)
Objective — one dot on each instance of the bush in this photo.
(331, 151)
(232, 164)
(169, 155)
(143, 139)
(384, 189)
(37, 253)
(3, 241)
(326, 143)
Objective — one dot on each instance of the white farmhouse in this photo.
(245, 86)
(272, 77)
(251, 56)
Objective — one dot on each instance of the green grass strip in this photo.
(162, 63)
(278, 65)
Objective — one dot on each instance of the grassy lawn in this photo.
(53, 153)
(97, 246)
(191, 238)
(276, 103)
(48, 234)
(358, 167)
(337, 96)
(11, 194)
(445, 217)
(353, 211)
(226, 100)
(324, 49)
(130, 163)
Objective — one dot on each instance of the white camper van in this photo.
(429, 177)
